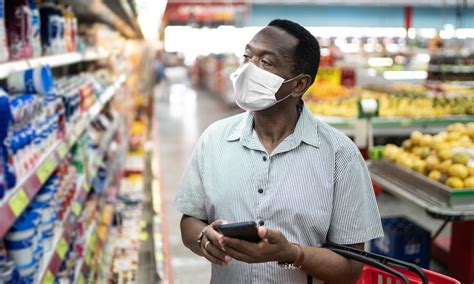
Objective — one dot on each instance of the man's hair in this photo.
(307, 50)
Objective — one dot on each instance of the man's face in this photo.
(272, 50)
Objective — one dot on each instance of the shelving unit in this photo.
(53, 60)
(397, 126)
(18, 198)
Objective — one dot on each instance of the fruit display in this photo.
(406, 101)
(447, 157)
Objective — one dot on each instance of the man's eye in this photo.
(265, 62)
(247, 57)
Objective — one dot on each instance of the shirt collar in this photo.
(306, 129)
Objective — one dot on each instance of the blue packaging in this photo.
(35, 31)
(405, 240)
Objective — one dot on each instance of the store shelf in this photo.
(397, 126)
(53, 60)
(17, 199)
(415, 189)
(59, 248)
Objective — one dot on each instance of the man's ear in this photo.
(302, 84)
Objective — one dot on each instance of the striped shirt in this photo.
(314, 187)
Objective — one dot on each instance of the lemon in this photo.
(458, 170)
(461, 158)
(454, 182)
(444, 166)
(435, 175)
(469, 183)
(445, 154)
(432, 163)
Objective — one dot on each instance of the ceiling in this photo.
(435, 3)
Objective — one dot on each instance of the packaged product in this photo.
(17, 20)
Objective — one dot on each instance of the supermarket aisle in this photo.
(182, 116)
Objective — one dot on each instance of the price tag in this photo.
(62, 248)
(87, 257)
(406, 122)
(87, 186)
(18, 202)
(46, 169)
(48, 278)
(144, 236)
(76, 208)
(93, 171)
(81, 279)
(62, 150)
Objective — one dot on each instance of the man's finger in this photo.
(216, 252)
(273, 236)
(239, 255)
(239, 245)
(212, 258)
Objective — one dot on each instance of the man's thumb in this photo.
(268, 234)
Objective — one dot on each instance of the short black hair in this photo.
(307, 52)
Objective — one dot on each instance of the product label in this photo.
(76, 208)
(48, 278)
(62, 150)
(18, 202)
(46, 169)
(81, 279)
(29, 81)
(62, 248)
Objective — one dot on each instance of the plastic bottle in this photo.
(49, 26)
(17, 20)
(4, 54)
(6, 155)
(70, 29)
(35, 31)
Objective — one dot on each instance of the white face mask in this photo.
(255, 88)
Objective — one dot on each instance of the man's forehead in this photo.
(274, 40)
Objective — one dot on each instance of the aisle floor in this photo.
(182, 114)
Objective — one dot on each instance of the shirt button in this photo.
(260, 190)
(261, 223)
(264, 158)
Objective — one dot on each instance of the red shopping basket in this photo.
(381, 270)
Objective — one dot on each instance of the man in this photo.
(302, 181)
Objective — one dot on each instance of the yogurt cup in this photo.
(37, 80)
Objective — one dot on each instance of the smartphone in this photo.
(247, 231)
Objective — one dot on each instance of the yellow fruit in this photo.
(457, 127)
(460, 158)
(454, 182)
(444, 166)
(458, 170)
(407, 144)
(432, 163)
(425, 152)
(469, 183)
(391, 152)
(419, 166)
(416, 137)
(471, 171)
(425, 140)
(435, 175)
(454, 136)
(445, 154)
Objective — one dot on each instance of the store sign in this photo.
(205, 13)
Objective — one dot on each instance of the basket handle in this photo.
(376, 260)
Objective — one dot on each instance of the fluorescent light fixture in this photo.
(150, 15)
(380, 61)
(350, 48)
(405, 75)
(423, 57)
(372, 72)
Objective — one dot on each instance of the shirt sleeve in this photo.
(355, 215)
(191, 198)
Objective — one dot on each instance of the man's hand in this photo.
(273, 247)
(210, 245)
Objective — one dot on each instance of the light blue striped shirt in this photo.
(314, 187)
